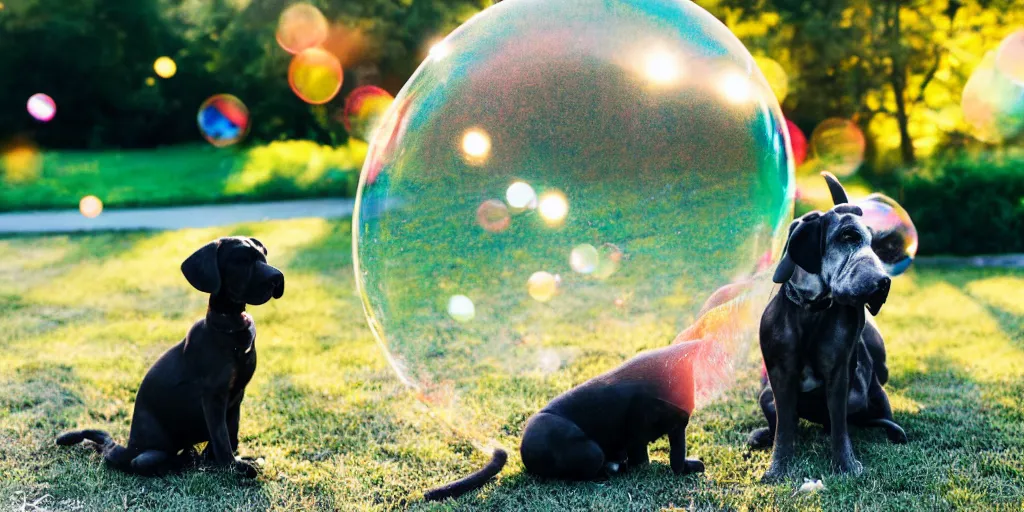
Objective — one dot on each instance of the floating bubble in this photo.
(520, 195)
(992, 103)
(583, 258)
(364, 109)
(223, 120)
(776, 76)
(838, 145)
(165, 67)
(641, 128)
(461, 308)
(492, 215)
(42, 107)
(315, 76)
(90, 207)
(22, 163)
(798, 141)
(300, 27)
(1010, 57)
(542, 286)
(893, 235)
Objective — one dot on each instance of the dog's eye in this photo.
(851, 237)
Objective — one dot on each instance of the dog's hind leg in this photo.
(764, 436)
(881, 415)
(152, 462)
(554, 447)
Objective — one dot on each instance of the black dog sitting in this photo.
(824, 362)
(604, 425)
(194, 392)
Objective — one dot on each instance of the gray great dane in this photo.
(824, 361)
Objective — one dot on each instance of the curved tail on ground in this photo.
(99, 437)
(472, 482)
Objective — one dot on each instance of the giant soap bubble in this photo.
(565, 185)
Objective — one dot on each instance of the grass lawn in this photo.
(180, 175)
(83, 317)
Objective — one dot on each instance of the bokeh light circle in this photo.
(776, 76)
(41, 107)
(364, 109)
(301, 26)
(646, 133)
(165, 67)
(1010, 56)
(223, 120)
(461, 308)
(893, 235)
(315, 76)
(839, 145)
(90, 207)
(21, 163)
(492, 215)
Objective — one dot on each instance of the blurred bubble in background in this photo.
(41, 107)
(301, 26)
(223, 120)
(838, 145)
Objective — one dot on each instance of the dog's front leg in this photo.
(677, 453)
(838, 390)
(784, 376)
(215, 408)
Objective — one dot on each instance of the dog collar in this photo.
(227, 323)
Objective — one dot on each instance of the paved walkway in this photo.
(69, 221)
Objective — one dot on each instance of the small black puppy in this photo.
(605, 424)
(194, 392)
(824, 362)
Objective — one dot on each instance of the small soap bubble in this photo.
(542, 286)
(584, 258)
(223, 120)
(300, 27)
(42, 107)
(609, 259)
(839, 145)
(492, 215)
(521, 196)
(461, 308)
(90, 207)
(364, 110)
(315, 76)
(165, 67)
(893, 235)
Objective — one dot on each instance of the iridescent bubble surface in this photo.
(992, 103)
(223, 120)
(41, 107)
(640, 128)
(364, 109)
(838, 145)
(1010, 56)
(315, 76)
(893, 235)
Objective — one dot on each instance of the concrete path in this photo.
(69, 221)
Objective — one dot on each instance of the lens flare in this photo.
(735, 88)
(165, 67)
(42, 107)
(315, 76)
(553, 207)
(21, 164)
(223, 120)
(492, 215)
(461, 308)
(90, 207)
(300, 27)
(520, 195)
(542, 286)
(662, 68)
(476, 146)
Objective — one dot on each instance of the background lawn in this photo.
(181, 175)
(82, 318)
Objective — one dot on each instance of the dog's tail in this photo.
(101, 439)
(472, 482)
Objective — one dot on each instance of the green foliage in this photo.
(967, 207)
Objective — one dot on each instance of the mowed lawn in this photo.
(83, 317)
(179, 175)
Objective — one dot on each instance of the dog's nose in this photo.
(883, 284)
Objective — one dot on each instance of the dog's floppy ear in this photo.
(201, 269)
(259, 245)
(836, 188)
(803, 249)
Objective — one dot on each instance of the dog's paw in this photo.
(694, 466)
(760, 439)
(851, 467)
(896, 435)
(245, 468)
(776, 473)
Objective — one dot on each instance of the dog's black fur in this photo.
(604, 425)
(193, 393)
(824, 362)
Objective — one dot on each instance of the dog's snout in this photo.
(277, 282)
(883, 284)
